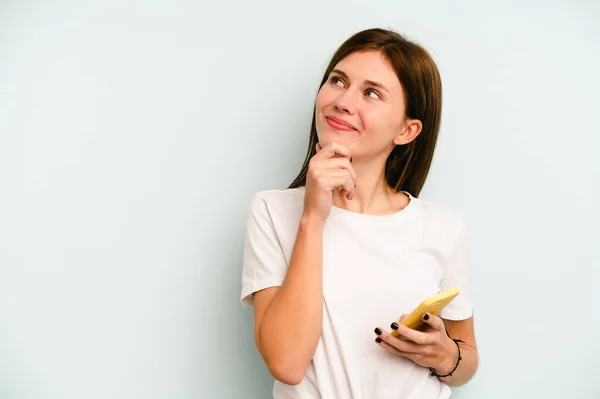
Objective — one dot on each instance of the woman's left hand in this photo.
(430, 348)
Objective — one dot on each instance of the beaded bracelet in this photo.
(456, 341)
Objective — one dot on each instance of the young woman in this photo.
(348, 249)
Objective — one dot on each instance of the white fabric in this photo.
(375, 268)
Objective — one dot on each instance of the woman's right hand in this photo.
(329, 169)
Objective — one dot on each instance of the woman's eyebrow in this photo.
(367, 82)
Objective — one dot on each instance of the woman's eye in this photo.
(372, 94)
(337, 81)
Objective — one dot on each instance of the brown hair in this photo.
(407, 166)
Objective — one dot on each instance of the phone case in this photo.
(433, 305)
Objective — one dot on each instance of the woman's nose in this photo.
(344, 103)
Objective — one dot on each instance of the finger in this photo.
(400, 320)
(418, 337)
(338, 178)
(393, 350)
(333, 148)
(342, 163)
(347, 194)
(348, 188)
(399, 344)
(434, 321)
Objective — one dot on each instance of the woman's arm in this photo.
(288, 319)
(463, 330)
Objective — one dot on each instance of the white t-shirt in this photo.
(375, 268)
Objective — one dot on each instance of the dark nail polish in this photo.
(350, 159)
(378, 340)
(426, 317)
(394, 325)
(377, 331)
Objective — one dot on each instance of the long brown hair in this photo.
(407, 166)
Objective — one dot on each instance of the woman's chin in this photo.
(344, 138)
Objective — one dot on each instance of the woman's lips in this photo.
(339, 124)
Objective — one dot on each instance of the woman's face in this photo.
(361, 106)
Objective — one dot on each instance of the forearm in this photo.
(291, 327)
(466, 368)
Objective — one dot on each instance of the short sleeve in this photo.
(264, 264)
(457, 274)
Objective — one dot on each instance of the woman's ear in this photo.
(408, 132)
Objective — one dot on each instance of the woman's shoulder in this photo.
(281, 196)
(279, 203)
(442, 216)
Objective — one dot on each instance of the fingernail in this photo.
(426, 317)
(394, 325)
(350, 159)
(377, 331)
(355, 186)
(378, 340)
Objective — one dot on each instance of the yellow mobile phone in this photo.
(434, 305)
